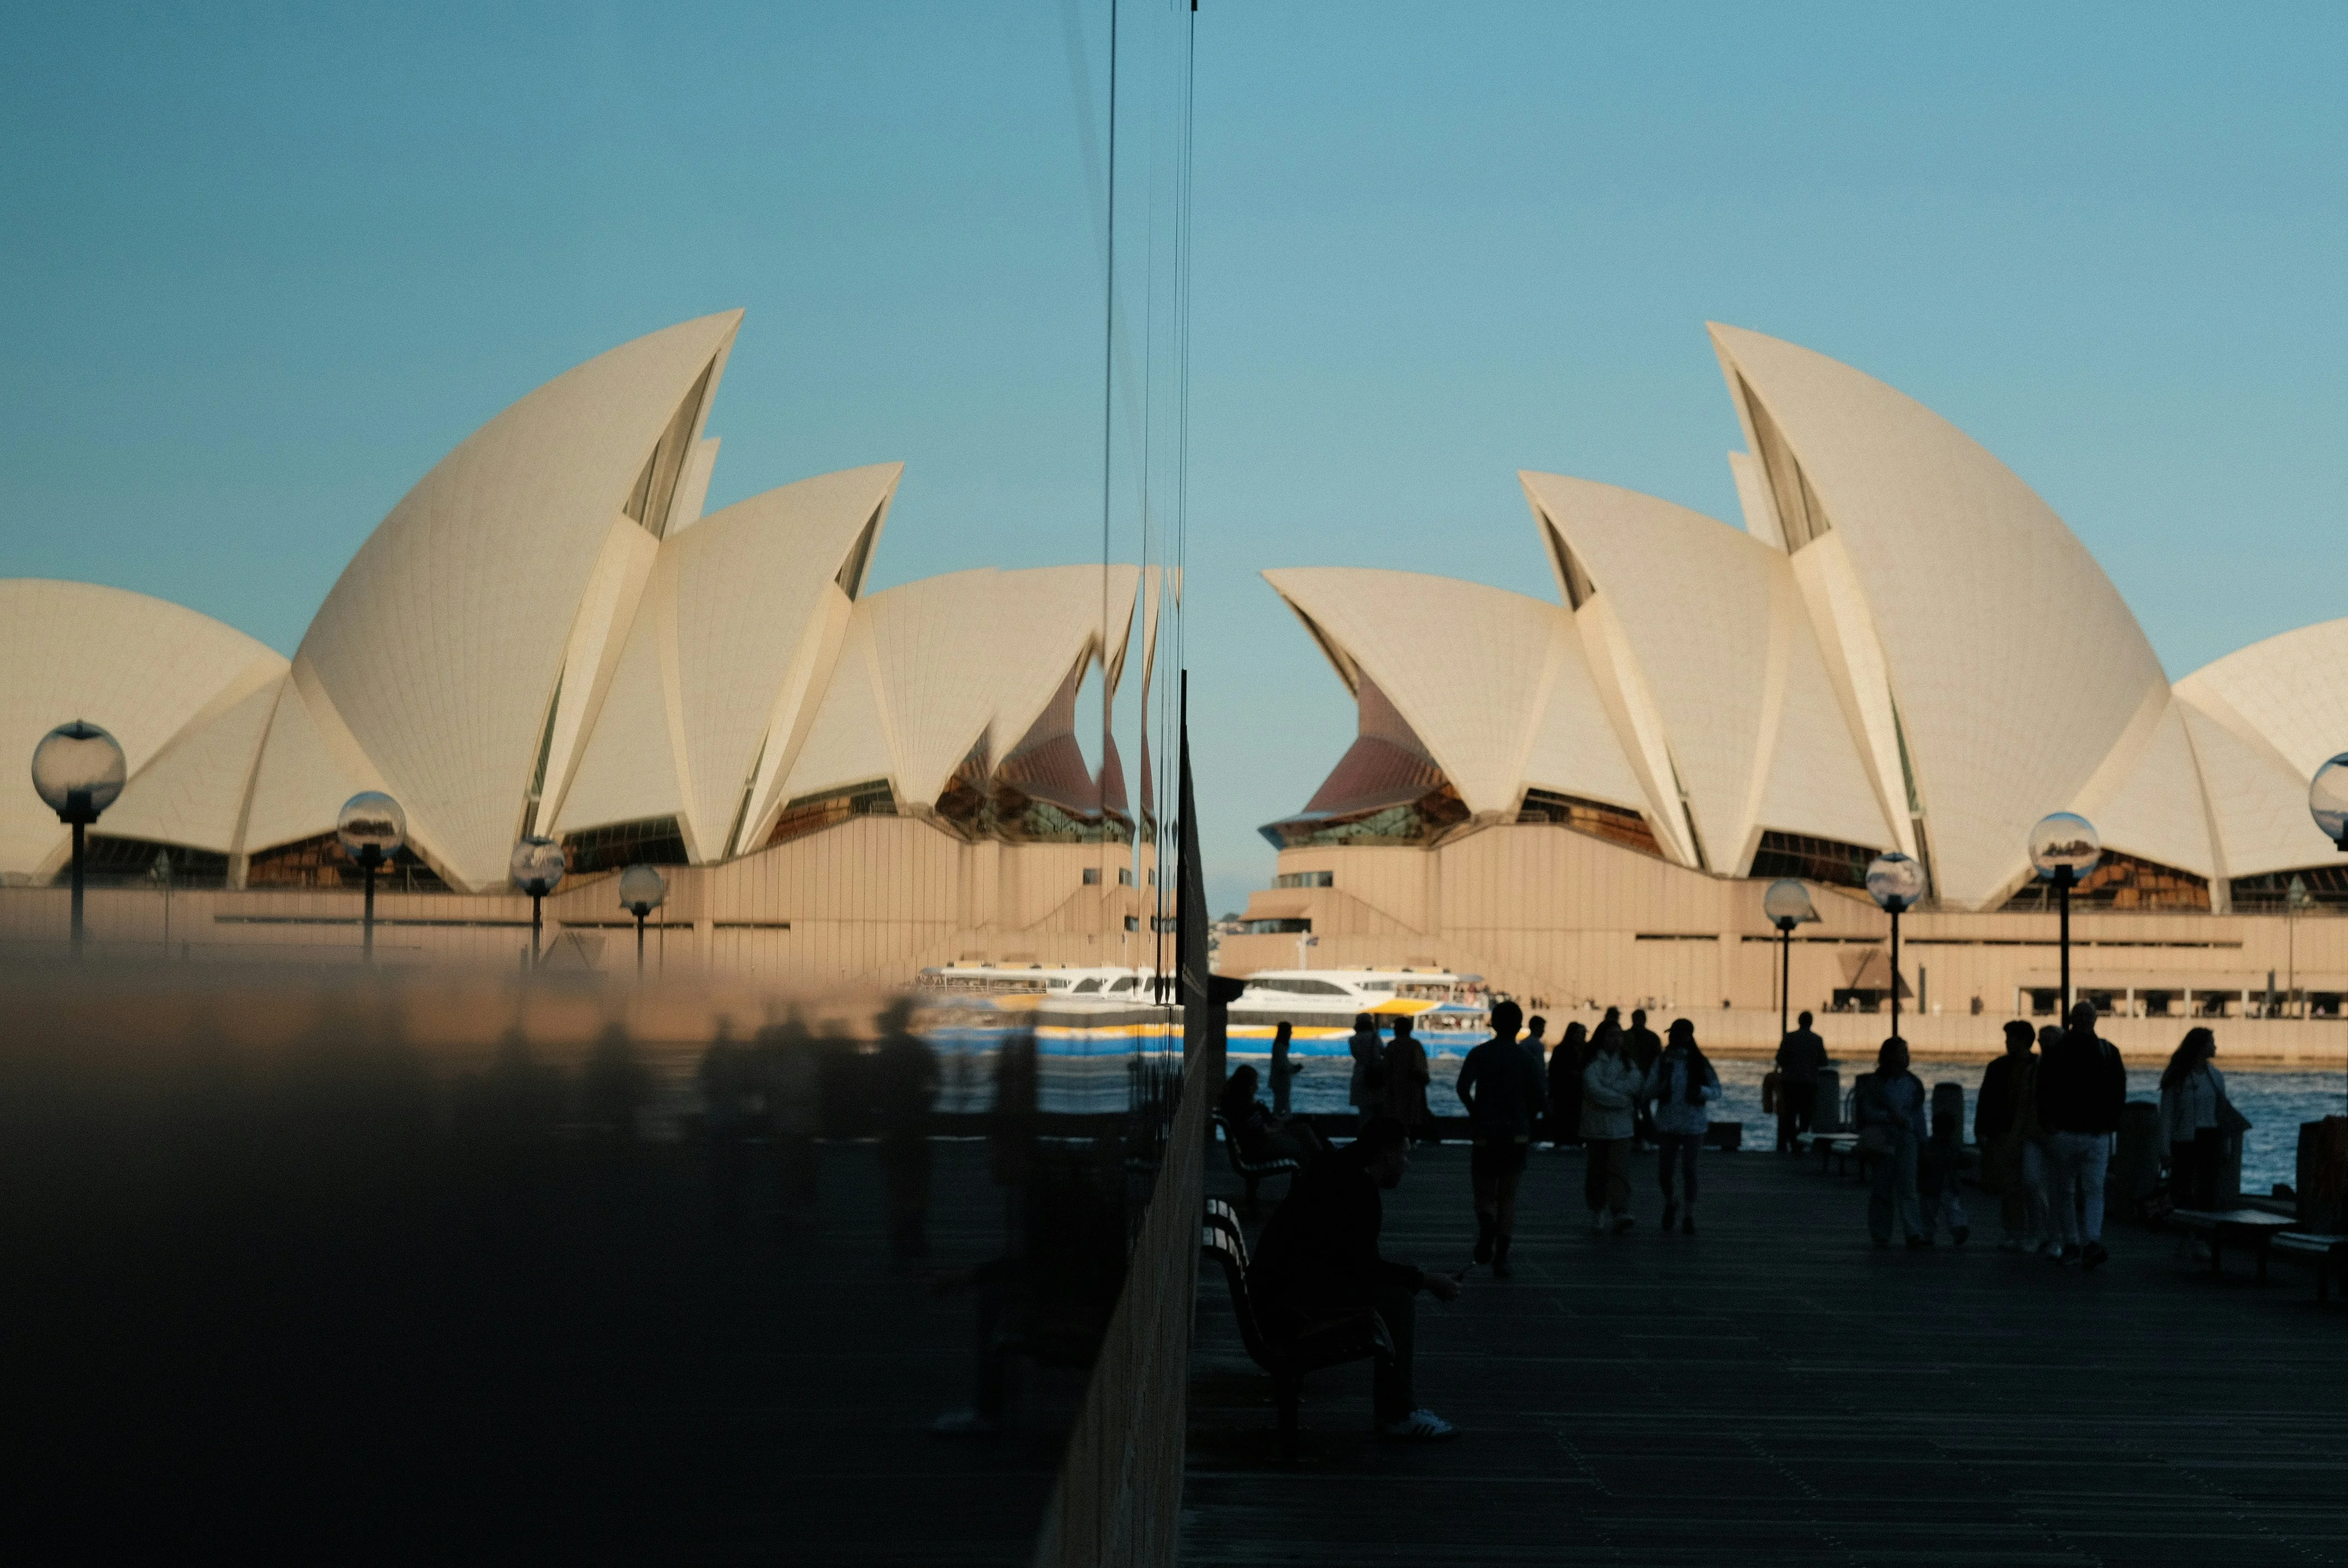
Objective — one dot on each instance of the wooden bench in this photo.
(2255, 1228)
(1360, 1337)
(2322, 1251)
(1251, 1171)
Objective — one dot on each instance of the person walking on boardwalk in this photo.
(1680, 1085)
(1645, 1046)
(1369, 1067)
(1610, 1086)
(1283, 1070)
(1405, 1085)
(1503, 1093)
(1891, 1129)
(1536, 1043)
(1565, 1065)
(905, 1078)
(2082, 1084)
(1802, 1057)
(2192, 1130)
(1319, 1260)
(2006, 1131)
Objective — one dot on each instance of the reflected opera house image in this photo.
(547, 638)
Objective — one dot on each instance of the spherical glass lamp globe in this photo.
(641, 890)
(2327, 799)
(77, 770)
(1895, 880)
(2065, 838)
(537, 865)
(1787, 903)
(371, 827)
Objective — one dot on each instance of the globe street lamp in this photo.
(1787, 904)
(537, 867)
(77, 770)
(641, 891)
(372, 828)
(2063, 846)
(1895, 881)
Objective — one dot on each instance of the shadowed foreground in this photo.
(1774, 1390)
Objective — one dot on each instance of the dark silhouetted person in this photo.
(1802, 1057)
(729, 1093)
(2082, 1084)
(1892, 1129)
(1283, 1070)
(1369, 1067)
(1645, 1046)
(2191, 1132)
(2006, 1130)
(1319, 1260)
(1610, 1085)
(793, 1077)
(1565, 1065)
(1939, 1191)
(615, 1085)
(1407, 1080)
(1261, 1133)
(1504, 1094)
(1680, 1086)
(1537, 1042)
(905, 1084)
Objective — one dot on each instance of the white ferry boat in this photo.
(1449, 1011)
(1037, 980)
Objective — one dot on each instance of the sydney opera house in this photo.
(548, 635)
(1904, 647)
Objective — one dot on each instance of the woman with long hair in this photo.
(2191, 1091)
(1565, 1065)
(1610, 1089)
(1681, 1083)
(1262, 1135)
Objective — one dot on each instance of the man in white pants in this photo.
(2082, 1084)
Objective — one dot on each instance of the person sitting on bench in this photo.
(1262, 1135)
(1318, 1260)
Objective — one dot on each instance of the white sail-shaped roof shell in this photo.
(732, 644)
(1715, 622)
(442, 646)
(2263, 719)
(178, 689)
(931, 670)
(1469, 668)
(2014, 666)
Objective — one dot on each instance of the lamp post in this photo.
(2327, 801)
(77, 770)
(1895, 881)
(537, 867)
(2064, 848)
(1787, 904)
(641, 891)
(371, 827)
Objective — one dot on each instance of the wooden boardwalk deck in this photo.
(1774, 1390)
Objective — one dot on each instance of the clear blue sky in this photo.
(263, 266)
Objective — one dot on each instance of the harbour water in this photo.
(2276, 1103)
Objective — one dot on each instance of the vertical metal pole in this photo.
(1895, 971)
(78, 828)
(640, 944)
(535, 900)
(1786, 977)
(366, 924)
(2062, 903)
